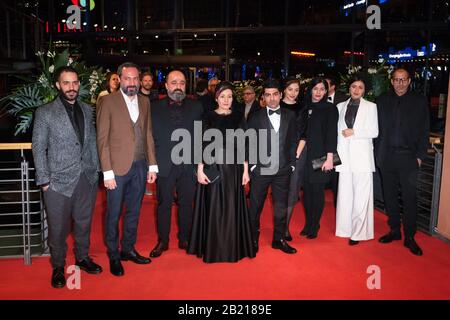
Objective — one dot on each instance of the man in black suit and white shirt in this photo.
(281, 123)
(171, 113)
(401, 146)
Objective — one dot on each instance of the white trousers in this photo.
(354, 208)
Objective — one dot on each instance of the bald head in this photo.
(176, 85)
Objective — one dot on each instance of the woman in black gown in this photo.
(321, 140)
(221, 229)
(291, 90)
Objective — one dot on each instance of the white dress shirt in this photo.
(331, 97)
(133, 110)
(274, 118)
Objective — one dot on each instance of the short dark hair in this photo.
(223, 85)
(147, 73)
(62, 69)
(359, 77)
(127, 65)
(332, 80)
(313, 83)
(271, 84)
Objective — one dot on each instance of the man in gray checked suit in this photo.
(66, 161)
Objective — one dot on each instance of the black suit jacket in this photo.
(287, 137)
(163, 128)
(415, 125)
(339, 97)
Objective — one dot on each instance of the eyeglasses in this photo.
(248, 93)
(400, 80)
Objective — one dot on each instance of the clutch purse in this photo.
(211, 172)
(318, 163)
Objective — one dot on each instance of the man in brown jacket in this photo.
(127, 157)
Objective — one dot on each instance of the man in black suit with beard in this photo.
(401, 146)
(281, 147)
(171, 113)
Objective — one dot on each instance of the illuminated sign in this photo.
(82, 4)
(407, 53)
(303, 54)
(355, 53)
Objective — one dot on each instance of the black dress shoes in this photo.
(159, 249)
(135, 257)
(412, 245)
(352, 242)
(58, 278)
(391, 236)
(312, 235)
(116, 268)
(288, 237)
(183, 244)
(304, 232)
(89, 266)
(283, 246)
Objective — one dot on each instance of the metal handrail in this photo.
(26, 226)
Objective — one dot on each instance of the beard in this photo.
(69, 95)
(147, 87)
(176, 95)
(130, 90)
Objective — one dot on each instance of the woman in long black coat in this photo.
(321, 140)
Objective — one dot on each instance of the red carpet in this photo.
(324, 268)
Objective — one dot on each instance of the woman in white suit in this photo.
(357, 126)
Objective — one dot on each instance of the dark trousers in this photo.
(280, 185)
(314, 204)
(61, 211)
(130, 190)
(401, 171)
(181, 180)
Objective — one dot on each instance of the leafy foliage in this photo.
(39, 90)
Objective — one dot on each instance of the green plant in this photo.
(377, 78)
(239, 87)
(24, 100)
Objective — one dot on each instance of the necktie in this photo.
(271, 112)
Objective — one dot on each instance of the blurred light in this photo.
(95, 25)
(195, 35)
(137, 37)
(156, 36)
(259, 53)
(84, 23)
(63, 20)
(303, 54)
(105, 27)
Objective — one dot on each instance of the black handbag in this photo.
(211, 172)
(318, 163)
